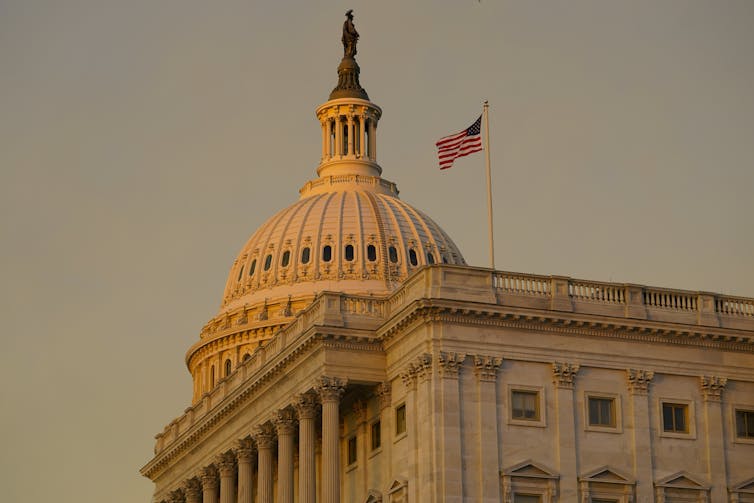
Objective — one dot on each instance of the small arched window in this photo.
(393, 253)
(371, 253)
(228, 366)
(253, 267)
(430, 258)
(246, 356)
(267, 262)
(305, 255)
(349, 253)
(327, 253)
(286, 258)
(240, 273)
(412, 257)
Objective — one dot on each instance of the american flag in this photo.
(460, 144)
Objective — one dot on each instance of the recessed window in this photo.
(240, 273)
(430, 258)
(376, 435)
(349, 253)
(351, 458)
(412, 257)
(400, 419)
(253, 267)
(286, 258)
(371, 253)
(745, 424)
(526, 498)
(525, 405)
(228, 366)
(305, 255)
(601, 411)
(675, 417)
(327, 253)
(393, 254)
(267, 262)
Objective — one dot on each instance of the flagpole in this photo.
(489, 180)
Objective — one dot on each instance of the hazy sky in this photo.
(143, 141)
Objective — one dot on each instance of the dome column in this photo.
(330, 390)
(362, 137)
(350, 136)
(338, 137)
(325, 142)
(372, 140)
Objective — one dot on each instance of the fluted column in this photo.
(209, 484)
(362, 137)
(350, 135)
(384, 394)
(285, 423)
(372, 140)
(245, 454)
(330, 390)
(338, 137)
(193, 490)
(264, 437)
(306, 408)
(226, 465)
(324, 140)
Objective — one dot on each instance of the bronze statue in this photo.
(350, 36)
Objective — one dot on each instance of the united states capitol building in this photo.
(357, 358)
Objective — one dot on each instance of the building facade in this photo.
(357, 358)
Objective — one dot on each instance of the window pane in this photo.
(351, 450)
(745, 423)
(253, 266)
(680, 418)
(526, 498)
(267, 262)
(412, 257)
(430, 258)
(376, 435)
(400, 420)
(667, 417)
(525, 405)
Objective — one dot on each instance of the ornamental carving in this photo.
(384, 394)
(450, 364)
(408, 376)
(285, 422)
(210, 477)
(193, 489)
(563, 374)
(177, 496)
(712, 387)
(485, 367)
(638, 381)
(360, 411)
(226, 464)
(330, 389)
(422, 366)
(306, 405)
(264, 436)
(245, 450)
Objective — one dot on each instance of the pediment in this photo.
(609, 475)
(530, 468)
(397, 485)
(373, 497)
(747, 486)
(682, 480)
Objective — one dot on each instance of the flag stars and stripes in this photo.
(460, 144)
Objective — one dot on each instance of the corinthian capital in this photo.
(226, 464)
(563, 374)
(450, 364)
(638, 381)
(485, 367)
(712, 387)
(264, 436)
(245, 450)
(330, 389)
(285, 422)
(306, 405)
(210, 477)
(193, 490)
(177, 496)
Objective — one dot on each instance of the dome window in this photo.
(253, 266)
(305, 255)
(430, 258)
(371, 253)
(412, 257)
(393, 253)
(267, 262)
(228, 366)
(212, 377)
(246, 356)
(286, 258)
(240, 274)
(327, 253)
(349, 253)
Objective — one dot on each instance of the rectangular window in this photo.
(601, 412)
(376, 435)
(675, 417)
(351, 458)
(745, 423)
(400, 419)
(525, 405)
(526, 498)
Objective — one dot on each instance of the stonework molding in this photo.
(450, 364)
(638, 381)
(264, 436)
(384, 394)
(306, 405)
(285, 422)
(712, 387)
(226, 464)
(193, 489)
(210, 477)
(486, 367)
(330, 389)
(563, 374)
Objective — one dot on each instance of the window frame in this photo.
(617, 412)
(541, 421)
(401, 433)
(375, 425)
(352, 447)
(734, 409)
(690, 432)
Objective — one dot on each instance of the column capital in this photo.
(712, 387)
(638, 381)
(245, 450)
(485, 367)
(384, 393)
(408, 376)
(306, 405)
(193, 489)
(330, 389)
(210, 477)
(285, 422)
(563, 374)
(177, 496)
(422, 366)
(226, 464)
(264, 436)
(450, 364)
(360, 411)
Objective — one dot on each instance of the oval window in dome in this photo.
(253, 266)
(305, 255)
(267, 262)
(240, 274)
(371, 253)
(327, 253)
(286, 258)
(349, 253)
(393, 253)
(430, 258)
(412, 257)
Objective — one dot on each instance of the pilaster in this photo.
(564, 375)
(449, 441)
(638, 382)
(485, 371)
(385, 401)
(712, 388)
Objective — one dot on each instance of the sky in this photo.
(143, 141)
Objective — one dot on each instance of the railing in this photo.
(597, 292)
(522, 284)
(669, 299)
(734, 306)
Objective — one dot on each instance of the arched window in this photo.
(267, 262)
(305, 255)
(327, 253)
(253, 267)
(412, 257)
(349, 253)
(227, 367)
(430, 258)
(286, 258)
(371, 253)
(212, 377)
(240, 273)
(246, 356)
(393, 254)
